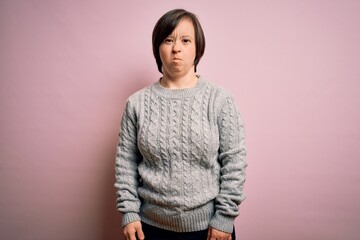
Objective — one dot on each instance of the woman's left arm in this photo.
(232, 155)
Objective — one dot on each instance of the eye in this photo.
(168, 40)
(185, 40)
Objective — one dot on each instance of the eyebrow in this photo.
(185, 36)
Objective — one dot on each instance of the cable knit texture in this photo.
(180, 162)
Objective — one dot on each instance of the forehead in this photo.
(185, 27)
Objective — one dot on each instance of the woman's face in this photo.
(178, 50)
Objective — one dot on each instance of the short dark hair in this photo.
(166, 25)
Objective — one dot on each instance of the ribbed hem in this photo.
(130, 217)
(178, 221)
(222, 223)
(179, 93)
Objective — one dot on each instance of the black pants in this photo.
(154, 233)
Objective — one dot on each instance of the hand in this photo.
(132, 230)
(214, 234)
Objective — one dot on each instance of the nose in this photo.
(176, 47)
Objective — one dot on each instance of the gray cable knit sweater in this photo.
(180, 162)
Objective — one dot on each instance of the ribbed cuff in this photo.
(129, 217)
(222, 223)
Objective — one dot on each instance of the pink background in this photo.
(67, 67)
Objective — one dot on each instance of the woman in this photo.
(180, 165)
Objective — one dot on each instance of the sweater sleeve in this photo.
(232, 160)
(126, 164)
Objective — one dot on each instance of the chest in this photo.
(177, 128)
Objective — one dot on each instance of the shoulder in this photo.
(219, 94)
(136, 99)
(221, 100)
(136, 96)
(219, 91)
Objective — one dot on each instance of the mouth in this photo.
(176, 60)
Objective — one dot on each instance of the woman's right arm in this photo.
(126, 172)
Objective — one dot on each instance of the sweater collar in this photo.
(178, 93)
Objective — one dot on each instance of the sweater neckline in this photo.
(178, 93)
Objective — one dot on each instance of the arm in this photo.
(126, 173)
(232, 159)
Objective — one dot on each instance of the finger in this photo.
(126, 234)
(209, 234)
(140, 234)
(131, 236)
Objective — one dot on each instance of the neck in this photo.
(179, 82)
